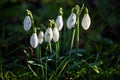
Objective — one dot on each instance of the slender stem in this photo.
(50, 48)
(41, 62)
(57, 53)
(46, 60)
(37, 53)
(77, 28)
(81, 10)
(73, 35)
(64, 35)
(77, 33)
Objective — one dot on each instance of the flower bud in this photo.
(40, 37)
(48, 35)
(55, 34)
(27, 23)
(59, 22)
(71, 21)
(34, 40)
(86, 20)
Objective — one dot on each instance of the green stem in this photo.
(57, 53)
(46, 60)
(37, 53)
(64, 35)
(81, 10)
(77, 28)
(41, 62)
(73, 35)
(50, 48)
(77, 33)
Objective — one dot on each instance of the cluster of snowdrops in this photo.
(55, 26)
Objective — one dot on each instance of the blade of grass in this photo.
(32, 70)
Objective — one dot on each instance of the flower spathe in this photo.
(86, 21)
(27, 23)
(59, 22)
(55, 34)
(40, 37)
(71, 21)
(34, 40)
(48, 35)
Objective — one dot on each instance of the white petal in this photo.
(48, 35)
(59, 22)
(41, 37)
(27, 23)
(55, 34)
(71, 21)
(86, 21)
(34, 40)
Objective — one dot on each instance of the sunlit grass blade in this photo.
(32, 70)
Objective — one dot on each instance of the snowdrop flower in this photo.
(48, 35)
(55, 34)
(59, 22)
(40, 37)
(34, 40)
(71, 21)
(86, 20)
(27, 23)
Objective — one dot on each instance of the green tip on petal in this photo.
(76, 9)
(60, 11)
(86, 10)
(34, 30)
(50, 23)
(28, 12)
(54, 24)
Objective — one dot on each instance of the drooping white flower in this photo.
(86, 21)
(59, 22)
(71, 21)
(27, 23)
(48, 35)
(34, 40)
(40, 37)
(55, 34)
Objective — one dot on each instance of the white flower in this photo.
(27, 23)
(86, 21)
(55, 34)
(34, 40)
(41, 37)
(71, 21)
(59, 22)
(48, 35)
